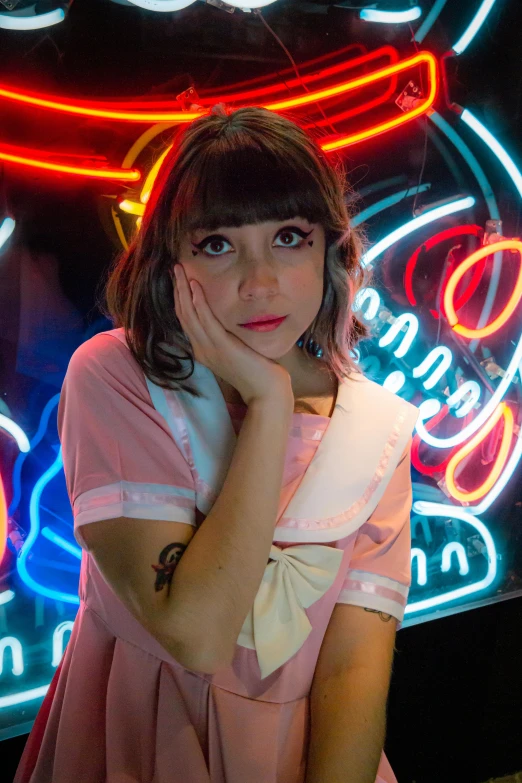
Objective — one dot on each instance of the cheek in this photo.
(306, 286)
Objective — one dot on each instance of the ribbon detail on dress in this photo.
(295, 578)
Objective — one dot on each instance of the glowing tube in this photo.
(446, 357)
(468, 497)
(62, 542)
(441, 510)
(488, 250)
(389, 201)
(165, 6)
(371, 296)
(469, 387)
(3, 527)
(17, 432)
(31, 159)
(390, 17)
(116, 112)
(431, 407)
(430, 20)
(412, 323)
(413, 225)
(461, 557)
(510, 468)
(430, 243)
(395, 381)
(475, 25)
(21, 698)
(33, 22)
(132, 207)
(58, 645)
(151, 176)
(495, 147)
(34, 515)
(422, 567)
(6, 596)
(6, 229)
(249, 3)
(491, 202)
(16, 653)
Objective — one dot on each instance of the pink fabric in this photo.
(121, 709)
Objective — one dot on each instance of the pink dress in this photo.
(120, 708)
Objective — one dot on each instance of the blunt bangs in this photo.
(246, 185)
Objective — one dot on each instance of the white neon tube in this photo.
(428, 509)
(411, 322)
(6, 596)
(16, 431)
(395, 381)
(431, 407)
(413, 225)
(165, 6)
(475, 25)
(33, 21)
(390, 17)
(495, 147)
(468, 387)
(364, 295)
(6, 229)
(440, 352)
(430, 20)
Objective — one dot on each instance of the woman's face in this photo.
(274, 267)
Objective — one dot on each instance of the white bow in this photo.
(277, 625)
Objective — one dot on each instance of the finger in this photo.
(192, 324)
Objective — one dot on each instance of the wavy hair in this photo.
(231, 168)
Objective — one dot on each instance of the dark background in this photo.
(456, 696)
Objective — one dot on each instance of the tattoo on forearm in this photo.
(384, 617)
(168, 560)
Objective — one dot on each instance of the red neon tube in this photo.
(33, 159)
(429, 245)
(110, 112)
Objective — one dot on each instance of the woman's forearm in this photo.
(348, 727)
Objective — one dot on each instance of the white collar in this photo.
(345, 480)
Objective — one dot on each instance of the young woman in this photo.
(241, 494)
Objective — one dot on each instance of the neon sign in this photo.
(455, 556)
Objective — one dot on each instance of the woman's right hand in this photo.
(254, 376)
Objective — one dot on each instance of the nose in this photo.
(260, 275)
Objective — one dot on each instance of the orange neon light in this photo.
(507, 434)
(30, 158)
(103, 111)
(449, 293)
(395, 122)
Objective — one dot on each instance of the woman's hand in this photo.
(254, 376)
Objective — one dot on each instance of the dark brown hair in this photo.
(231, 168)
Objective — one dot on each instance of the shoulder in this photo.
(106, 358)
(103, 347)
(362, 387)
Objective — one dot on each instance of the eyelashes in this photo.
(200, 246)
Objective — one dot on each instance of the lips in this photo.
(264, 319)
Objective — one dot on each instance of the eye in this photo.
(215, 245)
(292, 236)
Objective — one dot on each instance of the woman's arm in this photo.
(349, 695)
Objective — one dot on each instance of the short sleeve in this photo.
(379, 574)
(119, 456)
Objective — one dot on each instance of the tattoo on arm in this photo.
(384, 617)
(168, 560)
